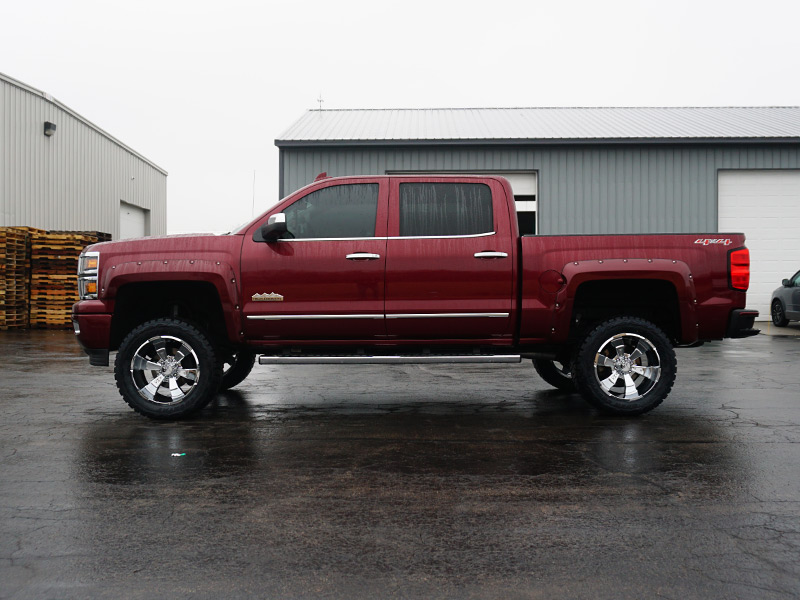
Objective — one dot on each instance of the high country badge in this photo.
(271, 297)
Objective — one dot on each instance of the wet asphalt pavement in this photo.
(401, 481)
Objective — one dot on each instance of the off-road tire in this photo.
(549, 371)
(625, 366)
(236, 369)
(171, 383)
(778, 314)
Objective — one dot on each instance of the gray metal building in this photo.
(60, 171)
(589, 170)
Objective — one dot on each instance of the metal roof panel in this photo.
(545, 124)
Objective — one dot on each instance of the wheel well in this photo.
(194, 301)
(650, 299)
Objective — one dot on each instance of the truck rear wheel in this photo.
(556, 374)
(625, 366)
(236, 368)
(167, 369)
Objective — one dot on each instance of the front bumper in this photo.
(92, 330)
(740, 323)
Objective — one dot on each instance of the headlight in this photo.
(88, 268)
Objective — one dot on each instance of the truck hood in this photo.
(224, 248)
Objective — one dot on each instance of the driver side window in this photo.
(796, 280)
(338, 211)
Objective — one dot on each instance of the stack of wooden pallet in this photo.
(54, 279)
(38, 275)
(14, 276)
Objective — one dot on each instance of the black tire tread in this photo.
(244, 362)
(583, 375)
(782, 322)
(183, 327)
(548, 371)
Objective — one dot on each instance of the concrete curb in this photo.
(767, 328)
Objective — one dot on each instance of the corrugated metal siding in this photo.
(509, 124)
(73, 180)
(589, 189)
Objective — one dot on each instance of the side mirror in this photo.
(786, 283)
(275, 227)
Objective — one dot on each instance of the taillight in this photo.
(739, 269)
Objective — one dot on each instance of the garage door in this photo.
(132, 221)
(765, 205)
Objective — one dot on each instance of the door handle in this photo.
(362, 256)
(490, 255)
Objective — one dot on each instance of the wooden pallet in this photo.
(38, 271)
(15, 272)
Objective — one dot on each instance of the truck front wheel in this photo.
(167, 369)
(625, 366)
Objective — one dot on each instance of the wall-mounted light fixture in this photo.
(49, 128)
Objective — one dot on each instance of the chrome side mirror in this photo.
(275, 227)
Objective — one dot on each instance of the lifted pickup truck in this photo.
(406, 269)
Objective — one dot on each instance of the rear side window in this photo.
(338, 211)
(437, 209)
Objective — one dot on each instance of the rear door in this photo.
(324, 281)
(450, 259)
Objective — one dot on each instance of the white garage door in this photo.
(765, 205)
(132, 221)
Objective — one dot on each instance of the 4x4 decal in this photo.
(708, 241)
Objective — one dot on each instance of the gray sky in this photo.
(203, 89)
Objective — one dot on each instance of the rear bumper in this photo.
(740, 323)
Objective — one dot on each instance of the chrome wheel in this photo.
(165, 370)
(627, 366)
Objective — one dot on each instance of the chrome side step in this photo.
(388, 360)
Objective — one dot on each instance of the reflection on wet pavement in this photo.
(406, 481)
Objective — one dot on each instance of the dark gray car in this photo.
(786, 302)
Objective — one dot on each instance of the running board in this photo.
(388, 360)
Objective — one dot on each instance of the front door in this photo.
(794, 302)
(325, 279)
(450, 265)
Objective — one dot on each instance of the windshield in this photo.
(242, 226)
(239, 228)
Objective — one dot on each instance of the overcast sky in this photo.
(203, 88)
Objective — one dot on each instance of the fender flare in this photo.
(220, 274)
(675, 272)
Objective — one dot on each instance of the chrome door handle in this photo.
(362, 256)
(491, 255)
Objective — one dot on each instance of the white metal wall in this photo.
(75, 179)
(765, 205)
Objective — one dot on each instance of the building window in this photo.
(526, 214)
(338, 211)
(439, 209)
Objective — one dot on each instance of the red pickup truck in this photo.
(406, 269)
